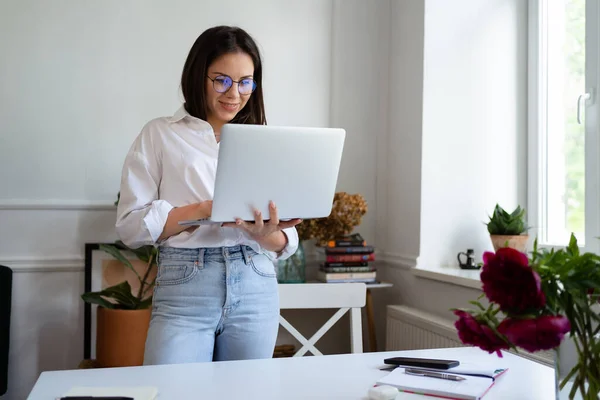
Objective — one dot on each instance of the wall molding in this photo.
(44, 264)
(56, 204)
(76, 263)
(402, 261)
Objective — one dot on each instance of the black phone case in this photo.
(421, 362)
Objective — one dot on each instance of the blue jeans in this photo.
(212, 304)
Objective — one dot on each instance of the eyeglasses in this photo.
(223, 83)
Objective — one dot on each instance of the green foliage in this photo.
(504, 223)
(120, 296)
(571, 282)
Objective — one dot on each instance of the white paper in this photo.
(472, 388)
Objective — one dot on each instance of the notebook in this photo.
(135, 392)
(472, 388)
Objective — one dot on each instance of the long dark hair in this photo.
(210, 45)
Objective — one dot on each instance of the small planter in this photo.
(121, 337)
(517, 242)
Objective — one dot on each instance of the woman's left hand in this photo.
(260, 229)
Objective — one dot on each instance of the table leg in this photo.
(371, 322)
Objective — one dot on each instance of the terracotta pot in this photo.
(518, 242)
(121, 337)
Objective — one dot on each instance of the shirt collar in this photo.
(182, 113)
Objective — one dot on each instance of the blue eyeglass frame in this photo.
(232, 82)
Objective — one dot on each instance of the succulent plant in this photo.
(503, 223)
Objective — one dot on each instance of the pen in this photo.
(433, 374)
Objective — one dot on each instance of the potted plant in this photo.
(508, 229)
(123, 315)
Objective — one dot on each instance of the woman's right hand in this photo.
(190, 212)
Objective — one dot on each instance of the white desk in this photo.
(347, 376)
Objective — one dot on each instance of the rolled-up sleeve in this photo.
(141, 216)
(289, 249)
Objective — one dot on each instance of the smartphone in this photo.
(421, 362)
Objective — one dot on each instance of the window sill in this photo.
(452, 275)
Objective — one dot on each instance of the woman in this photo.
(216, 292)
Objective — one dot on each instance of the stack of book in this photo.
(348, 259)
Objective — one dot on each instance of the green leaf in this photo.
(477, 304)
(573, 248)
(144, 253)
(146, 303)
(503, 223)
(570, 375)
(593, 382)
(120, 293)
(116, 253)
(96, 298)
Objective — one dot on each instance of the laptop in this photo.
(295, 167)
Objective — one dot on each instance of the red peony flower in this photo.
(533, 334)
(509, 281)
(473, 333)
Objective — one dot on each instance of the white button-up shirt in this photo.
(173, 163)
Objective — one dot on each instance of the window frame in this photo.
(537, 124)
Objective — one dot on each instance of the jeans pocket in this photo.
(263, 266)
(176, 273)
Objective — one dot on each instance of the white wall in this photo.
(79, 79)
(91, 74)
(359, 98)
(456, 142)
(400, 150)
(474, 122)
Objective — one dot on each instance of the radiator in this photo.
(410, 329)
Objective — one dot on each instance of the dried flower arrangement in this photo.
(346, 214)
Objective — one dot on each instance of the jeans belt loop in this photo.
(245, 253)
(200, 261)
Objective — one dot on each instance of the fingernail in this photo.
(272, 204)
(257, 212)
(239, 222)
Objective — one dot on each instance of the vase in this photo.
(565, 359)
(293, 269)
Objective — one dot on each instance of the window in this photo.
(564, 151)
